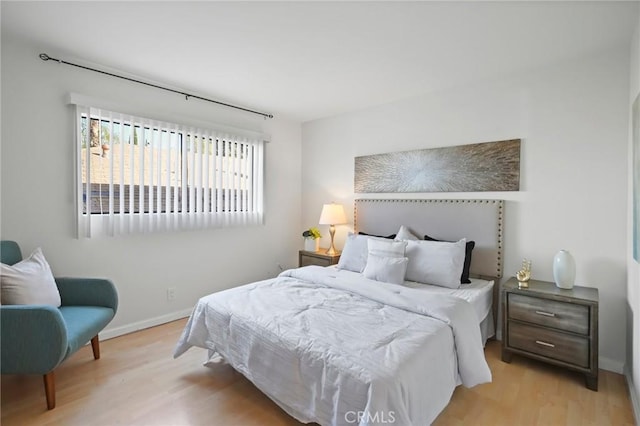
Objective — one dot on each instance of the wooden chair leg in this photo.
(50, 390)
(95, 345)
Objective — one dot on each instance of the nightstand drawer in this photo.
(549, 313)
(309, 260)
(306, 258)
(553, 344)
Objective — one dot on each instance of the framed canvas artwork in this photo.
(488, 166)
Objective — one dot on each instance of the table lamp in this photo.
(332, 214)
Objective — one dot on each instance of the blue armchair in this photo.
(35, 339)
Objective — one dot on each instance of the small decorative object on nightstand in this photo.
(564, 269)
(553, 325)
(524, 274)
(320, 258)
(312, 239)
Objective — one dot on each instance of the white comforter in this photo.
(338, 349)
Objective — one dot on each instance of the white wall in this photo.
(633, 281)
(572, 119)
(37, 194)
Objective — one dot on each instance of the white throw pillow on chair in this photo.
(29, 282)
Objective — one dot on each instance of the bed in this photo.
(335, 346)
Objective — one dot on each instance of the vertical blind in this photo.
(142, 175)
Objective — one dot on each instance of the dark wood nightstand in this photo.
(550, 324)
(320, 258)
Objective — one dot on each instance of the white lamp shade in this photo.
(332, 214)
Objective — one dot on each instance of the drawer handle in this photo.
(546, 314)
(549, 345)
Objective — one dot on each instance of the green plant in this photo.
(312, 233)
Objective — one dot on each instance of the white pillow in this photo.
(436, 262)
(386, 269)
(386, 248)
(405, 235)
(29, 282)
(355, 250)
(354, 254)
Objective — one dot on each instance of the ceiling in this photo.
(309, 60)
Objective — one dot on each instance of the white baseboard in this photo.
(611, 365)
(635, 403)
(110, 333)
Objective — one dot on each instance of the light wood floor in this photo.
(137, 382)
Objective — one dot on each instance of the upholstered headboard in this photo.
(450, 220)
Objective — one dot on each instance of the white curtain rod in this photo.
(46, 57)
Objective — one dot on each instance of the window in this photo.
(142, 175)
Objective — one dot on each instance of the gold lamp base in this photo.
(332, 249)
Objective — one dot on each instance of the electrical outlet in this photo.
(171, 293)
